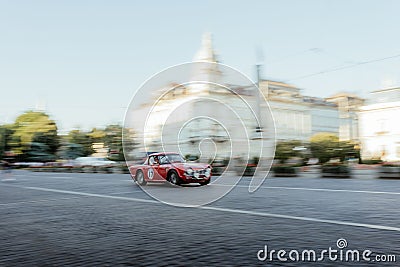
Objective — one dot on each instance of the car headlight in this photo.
(189, 171)
(208, 172)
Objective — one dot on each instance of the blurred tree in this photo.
(325, 146)
(97, 135)
(111, 137)
(285, 150)
(81, 138)
(113, 140)
(6, 132)
(40, 152)
(34, 127)
(348, 150)
(71, 151)
(324, 137)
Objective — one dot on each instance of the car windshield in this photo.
(175, 158)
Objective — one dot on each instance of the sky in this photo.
(82, 61)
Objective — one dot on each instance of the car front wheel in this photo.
(206, 182)
(174, 178)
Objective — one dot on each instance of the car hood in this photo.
(194, 166)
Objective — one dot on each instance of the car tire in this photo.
(205, 182)
(173, 178)
(140, 178)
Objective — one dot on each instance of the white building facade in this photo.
(299, 117)
(348, 106)
(380, 127)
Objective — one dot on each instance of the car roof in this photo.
(163, 153)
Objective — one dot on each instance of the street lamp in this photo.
(258, 128)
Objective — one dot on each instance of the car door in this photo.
(163, 166)
(152, 170)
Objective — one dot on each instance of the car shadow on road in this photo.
(169, 185)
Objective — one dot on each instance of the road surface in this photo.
(82, 219)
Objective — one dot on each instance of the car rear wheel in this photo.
(140, 178)
(174, 178)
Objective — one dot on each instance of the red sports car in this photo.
(161, 167)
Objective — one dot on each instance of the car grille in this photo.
(199, 173)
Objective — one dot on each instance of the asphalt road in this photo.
(57, 219)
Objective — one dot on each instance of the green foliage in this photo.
(324, 137)
(34, 128)
(97, 135)
(326, 146)
(77, 137)
(33, 137)
(39, 152)
(6, 132)
(284, 150)
(111, 137)
(71, 151)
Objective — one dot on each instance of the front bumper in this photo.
(195, 178)
(189, 179)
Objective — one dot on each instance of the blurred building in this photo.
(348, 107)
(298, 117)
(203, 116)
(379, 126)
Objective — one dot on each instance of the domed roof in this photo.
(206, 52)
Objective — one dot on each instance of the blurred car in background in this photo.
(28, 164)
(93, 162)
